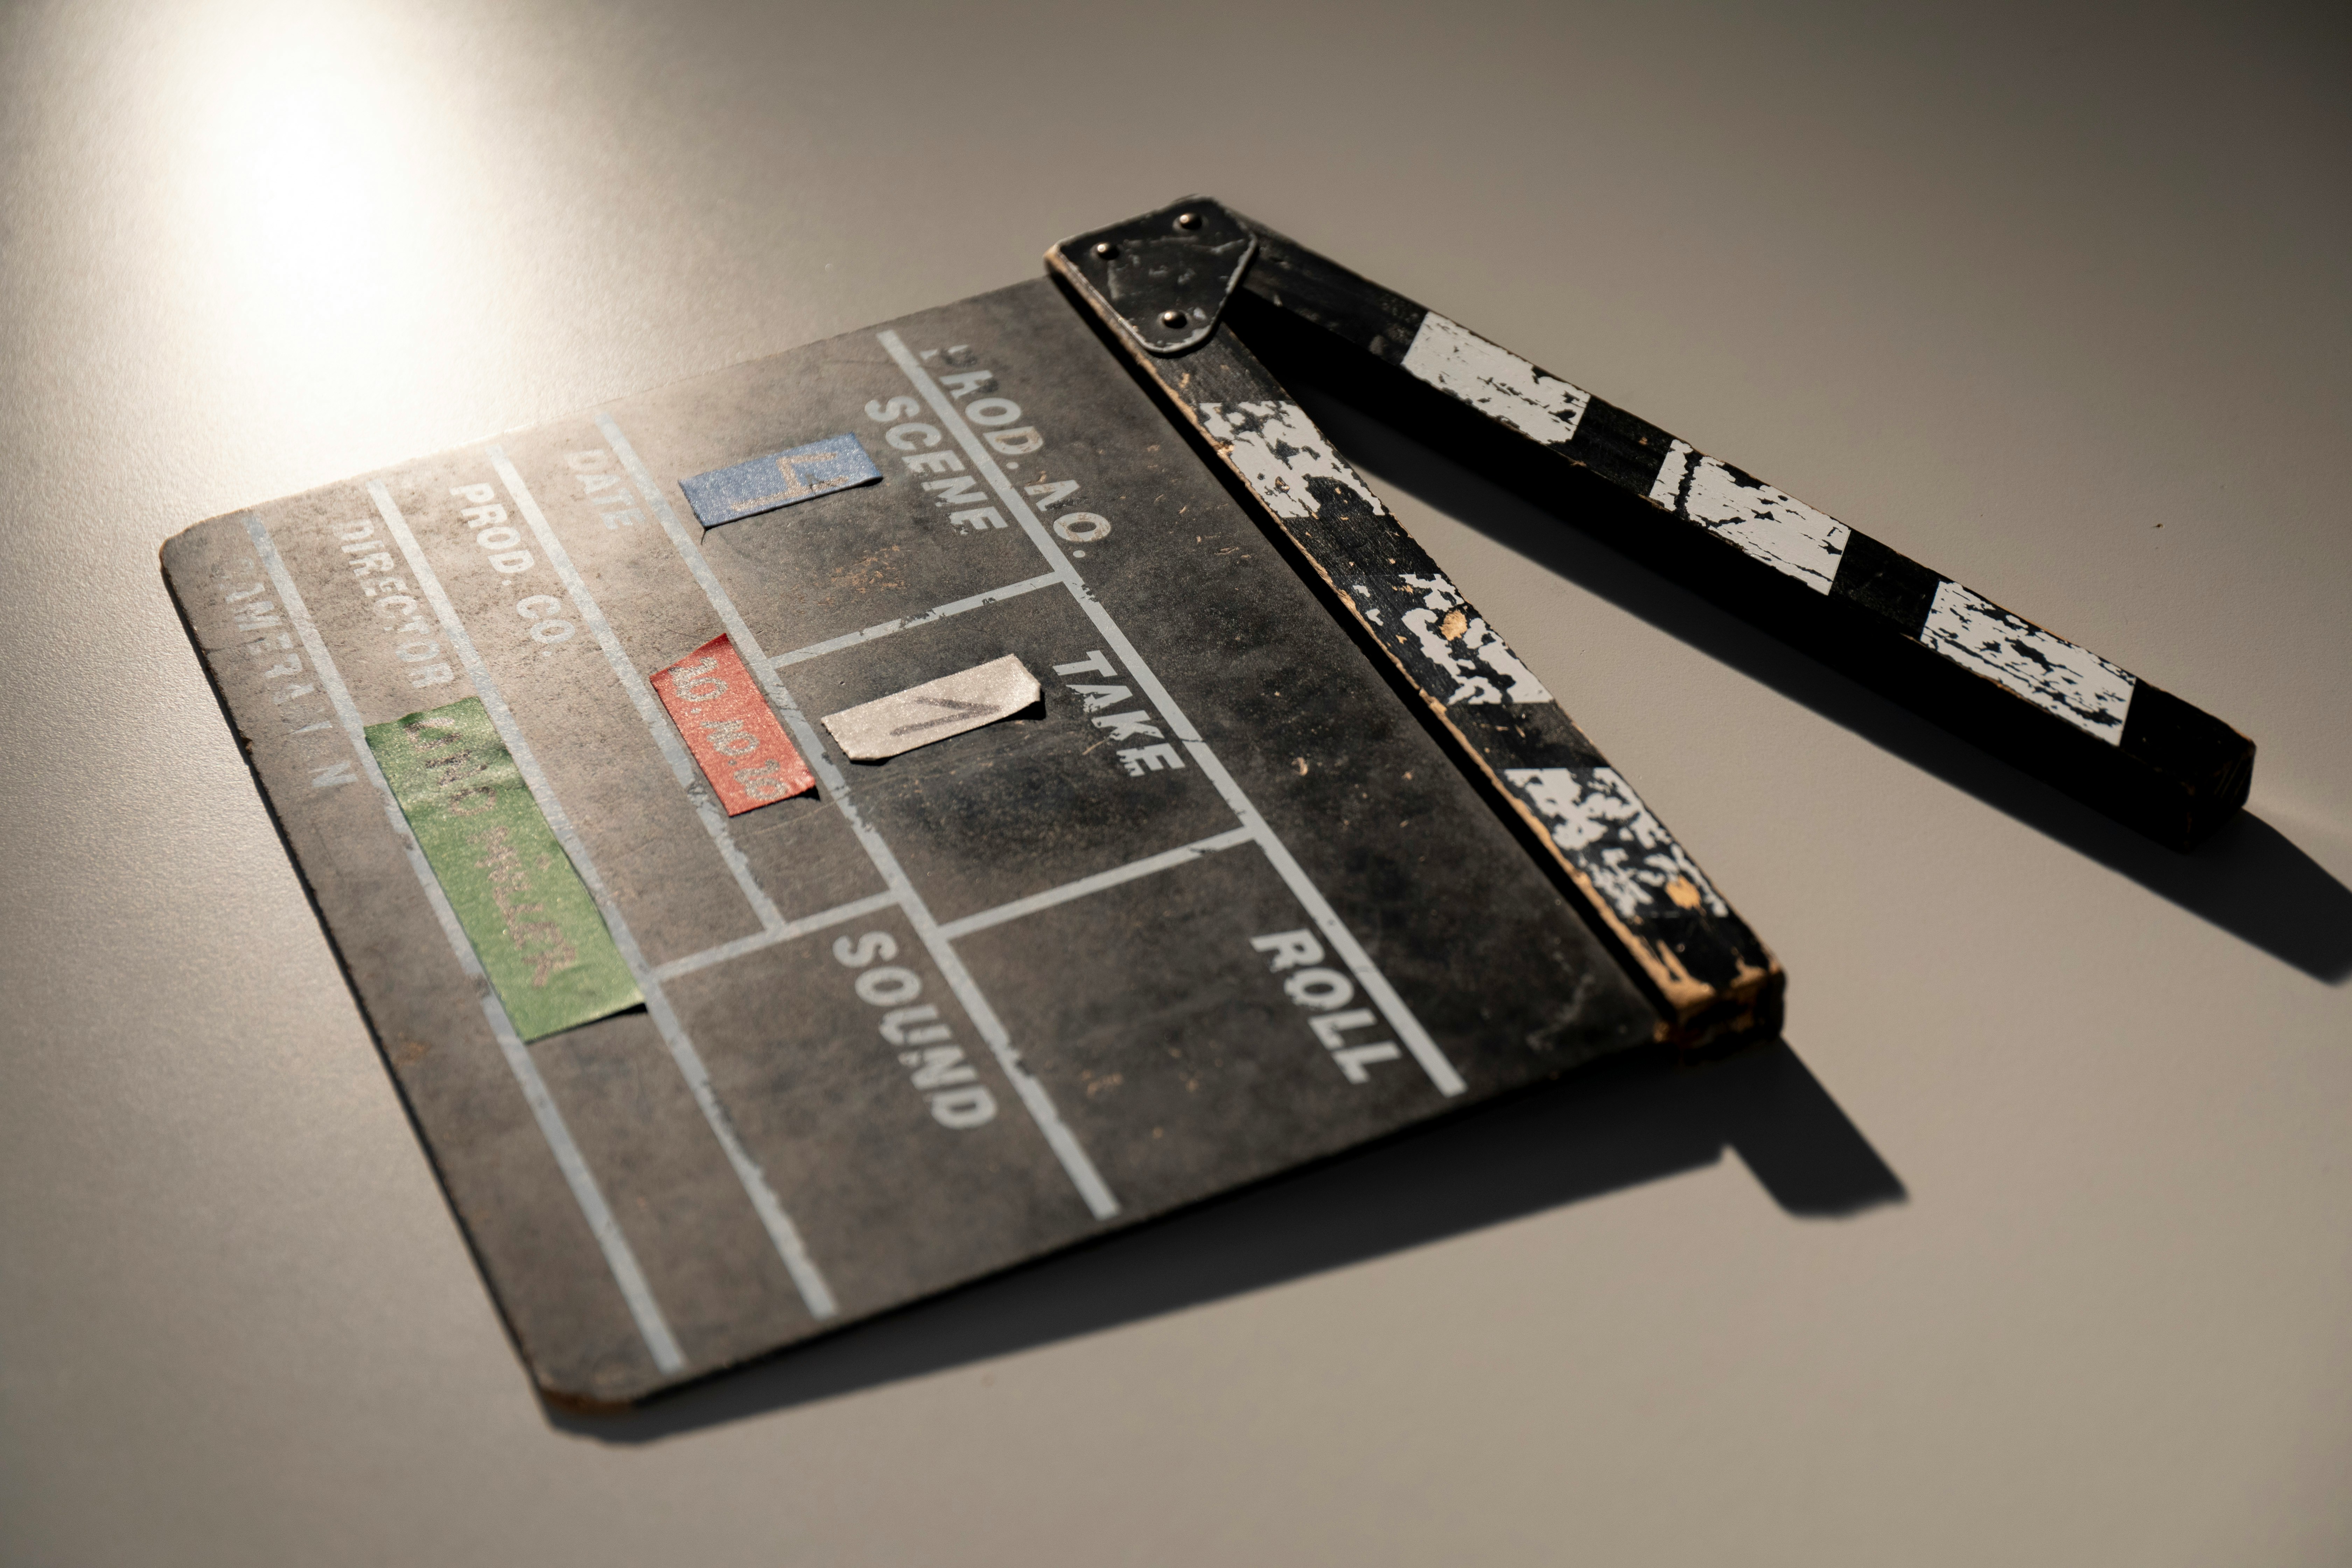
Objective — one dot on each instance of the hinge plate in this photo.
(1165, 276)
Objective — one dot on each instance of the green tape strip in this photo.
(529, 917)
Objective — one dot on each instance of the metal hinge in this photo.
(1165, 276)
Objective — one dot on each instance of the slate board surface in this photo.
(1228, 910)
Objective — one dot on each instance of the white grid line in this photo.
(1075, 1161)
(641, 696)
(788, 931)
(1150, 865)
(786, 1239)
(1343, 944)
(652, 1327)
(937, 613)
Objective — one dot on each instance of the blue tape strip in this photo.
(764, 484)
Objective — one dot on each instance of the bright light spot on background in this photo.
(320, 187)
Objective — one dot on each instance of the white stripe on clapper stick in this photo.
(786, 1237)
(623, 1262)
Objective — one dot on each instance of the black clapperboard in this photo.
(816, 834)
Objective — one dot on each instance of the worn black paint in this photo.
(1895, 588)
(1169, 1047)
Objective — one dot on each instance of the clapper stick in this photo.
(1191, 290)
(1630, 879)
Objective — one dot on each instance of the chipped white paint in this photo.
(1495, 381)
(1597, 818)
(2048, 671)
(1667, 490)
(1276, 449)
(934, 710)
(1442, 622)
(1776, 529)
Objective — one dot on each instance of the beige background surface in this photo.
(2054, 298)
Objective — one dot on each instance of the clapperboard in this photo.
(816, 834)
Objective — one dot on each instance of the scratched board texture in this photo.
(1215, 906)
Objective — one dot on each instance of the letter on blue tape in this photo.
(764, 484)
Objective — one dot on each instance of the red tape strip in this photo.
(716, 706)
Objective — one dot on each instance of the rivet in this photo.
(1106, 250)
(1172, 317)
(1187, 220)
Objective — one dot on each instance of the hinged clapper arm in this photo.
(1634, 882)
(2050, 706)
